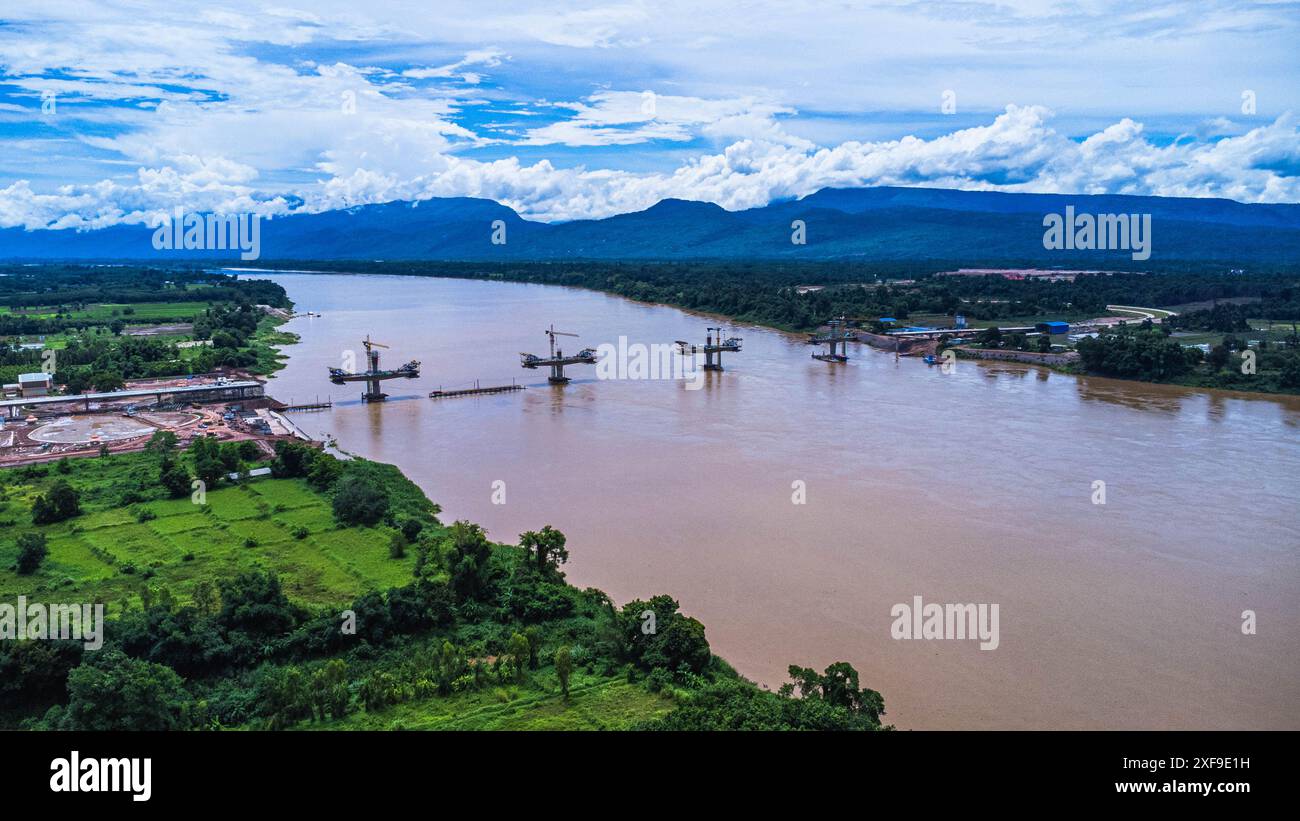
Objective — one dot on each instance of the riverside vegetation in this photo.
(331, 596)
(85, 316)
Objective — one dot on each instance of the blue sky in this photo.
(114, 111)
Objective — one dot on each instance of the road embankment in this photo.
(1030, 357)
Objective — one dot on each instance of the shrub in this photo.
(59, 503)
(31, 552)
(411, 529)
(397, 546)
(173, 477)
(114, 692)
(357, 502)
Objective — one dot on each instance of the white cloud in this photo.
(247, 107)
(1018, 151)
(488, 58)
(630, 117)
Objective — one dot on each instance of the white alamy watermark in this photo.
(77, 774)
(946, 621)
(637, 360)
(1098, 232)
(50, 622)
(184, 231)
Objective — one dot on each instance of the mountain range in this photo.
(885, 223)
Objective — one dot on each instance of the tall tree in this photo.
(546, 548)
(31, 552)
(564, 667)
(517, 650)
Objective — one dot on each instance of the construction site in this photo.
(38, 424)
(229, 407)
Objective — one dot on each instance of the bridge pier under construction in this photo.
(373, 376)
(712, 348)
(557, 360)
(836, 339)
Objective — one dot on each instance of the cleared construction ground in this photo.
(73, 430)
(41, 429)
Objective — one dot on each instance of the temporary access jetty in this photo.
(441, 394)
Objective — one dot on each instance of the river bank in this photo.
(907, 487)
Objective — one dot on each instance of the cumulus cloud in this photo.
(630, 117)
(1017, 151)
(608, 107)
(198, 185)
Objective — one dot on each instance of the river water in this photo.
(976, 486)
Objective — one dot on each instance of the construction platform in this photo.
(836, 339)
(373, 376)
(557, 360)
(712, 348)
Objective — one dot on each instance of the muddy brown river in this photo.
(976, 486)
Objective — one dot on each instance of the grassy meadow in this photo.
(112, 550)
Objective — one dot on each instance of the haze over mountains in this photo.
(885, 223)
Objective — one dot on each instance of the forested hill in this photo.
(861, 224)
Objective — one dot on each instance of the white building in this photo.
(35, 384)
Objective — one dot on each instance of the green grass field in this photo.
(140, 312)
(107, 553)
(112, 551)
(1262, 329)
(595, 703)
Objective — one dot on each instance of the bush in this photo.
(397, 546)
(59, 503)
(31, 552)
(357, 502)
(411, 529)
(115, 692)
(173, 477)
(676, 645)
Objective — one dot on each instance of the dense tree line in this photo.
(1231, 317)
(769, 292)
(97, 356)
(1148, 353)
(74, 286)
